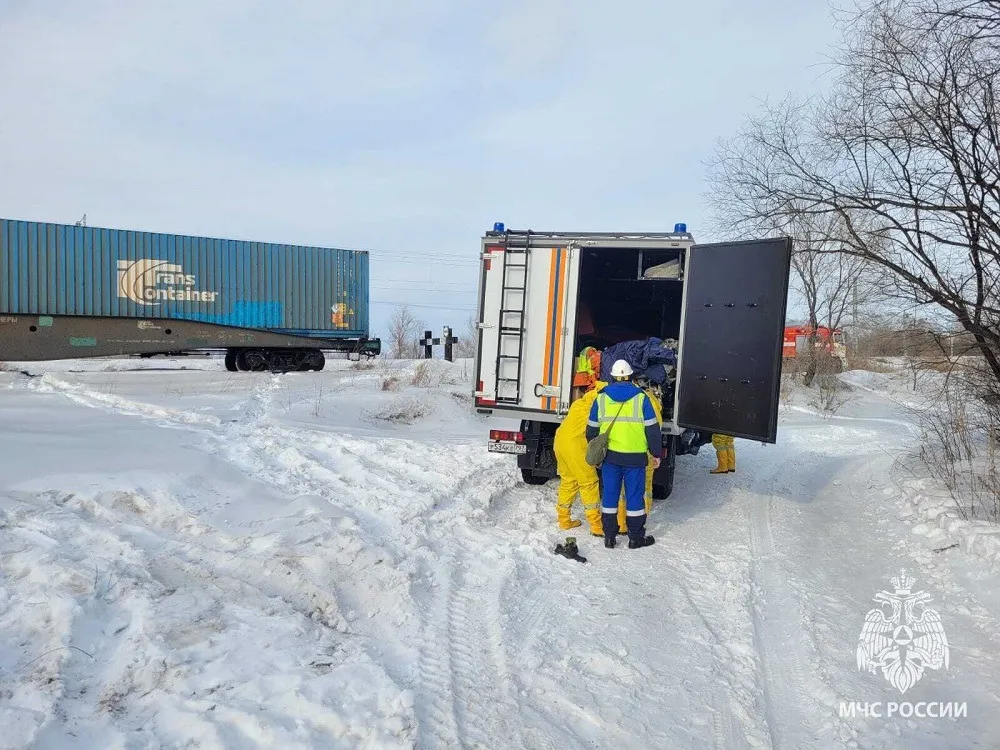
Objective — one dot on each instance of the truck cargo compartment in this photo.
(617, 304)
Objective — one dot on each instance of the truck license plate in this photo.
(507, 448)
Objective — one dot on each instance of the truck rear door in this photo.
(526, 312)
(732, 331)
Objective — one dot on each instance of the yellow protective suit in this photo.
(648, 496)
(575, 474)
(725, 453)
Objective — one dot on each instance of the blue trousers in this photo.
(634, 479)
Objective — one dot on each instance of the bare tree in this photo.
(828, 281)
(404, 333)
(468, 340)
(976, 18)
(903, 158)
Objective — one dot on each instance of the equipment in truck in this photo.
(544, 297)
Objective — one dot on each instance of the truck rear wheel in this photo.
(231, 360)
(663, 477)
(530, 477)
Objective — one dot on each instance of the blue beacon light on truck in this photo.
(498, 227)
(680, 228)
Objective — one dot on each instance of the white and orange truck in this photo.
(545, 296)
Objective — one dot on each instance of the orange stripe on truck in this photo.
(547, 358)
(562, 272)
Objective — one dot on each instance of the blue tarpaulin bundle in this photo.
(648, 358)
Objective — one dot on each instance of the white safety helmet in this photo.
(621, 369)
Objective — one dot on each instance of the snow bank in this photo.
(939, 519)
(124, 617)
(212, 559)
(933, 510)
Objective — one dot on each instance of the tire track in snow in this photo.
(488, 718)
(477, 706)
(467, 698)
(775, 637)
(792, 711)
(725, 728)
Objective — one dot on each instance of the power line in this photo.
(423, 288)
(408, 254)
(401, 303)
(431, 260)
(424, 282)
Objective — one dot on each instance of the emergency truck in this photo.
(544, 296)
(827, 340)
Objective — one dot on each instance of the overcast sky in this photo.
(406, 128)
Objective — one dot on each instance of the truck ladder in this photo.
(512, 320)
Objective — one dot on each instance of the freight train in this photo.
(72, 291)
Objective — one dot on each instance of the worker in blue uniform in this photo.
(625, 412)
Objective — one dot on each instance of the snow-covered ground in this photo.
(196, 558)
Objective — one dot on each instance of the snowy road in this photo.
(192, 558)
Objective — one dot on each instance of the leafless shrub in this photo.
(317, 407)
(404, 333)
(830, 394)
(960, 445)
(285, 399)
(390, 384)
(787, 384)
(871, 364)
(468, 340)
(421, 375)
(402, 410)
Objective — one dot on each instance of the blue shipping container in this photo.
(57, 269)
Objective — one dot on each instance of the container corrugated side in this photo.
(57, 269)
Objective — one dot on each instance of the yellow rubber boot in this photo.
(731, 456)
(594, 519)
(722, 457)
(565, 522)
(622, 528)
(591, 496)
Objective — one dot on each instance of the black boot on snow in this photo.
(609, 542)
(640, 543)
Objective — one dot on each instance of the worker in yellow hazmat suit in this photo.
(725, 453)
(648, 497)
(576, 476)
(588, 367)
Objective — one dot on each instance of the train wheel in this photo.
(231, 355)
(256, 360)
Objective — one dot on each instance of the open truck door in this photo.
(732, 332)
